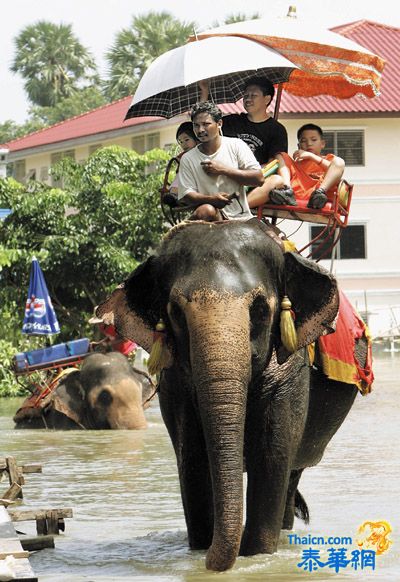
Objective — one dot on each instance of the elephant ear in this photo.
(134, 307)
(314, 295)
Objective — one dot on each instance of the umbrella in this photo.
(170, 84)
(40, 317)
(328, 63)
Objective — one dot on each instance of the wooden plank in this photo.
(12, 492)
(11, 546)
(12, 470)
(14, 475)
(23, 571)
(6, 502)
(14, 553)
(29, 514)
(52, 523)
(41, 527)
(28, 468)
(32, 468)
(37, 542)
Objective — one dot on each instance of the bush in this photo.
(87, 236)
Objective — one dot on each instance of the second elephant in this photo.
(106, 393)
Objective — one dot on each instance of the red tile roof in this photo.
(106, 118)
(379, 38)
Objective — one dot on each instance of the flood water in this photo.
(128, 521)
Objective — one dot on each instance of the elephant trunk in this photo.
(220, 359)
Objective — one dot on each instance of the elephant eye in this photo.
(104, 398)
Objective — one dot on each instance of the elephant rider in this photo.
(212, 176)
(112, 342)
(265, 136)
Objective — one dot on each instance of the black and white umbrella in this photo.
(170, 84)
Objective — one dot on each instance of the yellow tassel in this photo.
(159, 354)
(288, 330)
(311, 353)
(289, 246)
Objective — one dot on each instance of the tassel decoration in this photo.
(288, 330)
(159, 354)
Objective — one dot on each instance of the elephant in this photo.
(233, 398)
(106, 393)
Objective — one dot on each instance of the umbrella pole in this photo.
(278, 101)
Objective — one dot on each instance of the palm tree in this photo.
(241, 17)
(52, 62)
(136, 47)
(236, 17)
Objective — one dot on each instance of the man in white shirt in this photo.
(212, 176)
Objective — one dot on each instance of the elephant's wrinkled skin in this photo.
(105, 394)
(224, 395)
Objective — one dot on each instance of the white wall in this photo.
(40, 160)
(372, 284)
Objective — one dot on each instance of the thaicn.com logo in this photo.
(336, 553)
(35, 306)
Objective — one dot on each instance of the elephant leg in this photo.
(194, 474)
(288, 517)
(268, 458)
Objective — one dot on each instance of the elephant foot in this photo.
(201, 539)
(253, 544)
(288, 522)
(200, 543)
(221, 559)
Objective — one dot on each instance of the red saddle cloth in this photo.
(337, 349)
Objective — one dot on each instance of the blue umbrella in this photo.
(40, 317)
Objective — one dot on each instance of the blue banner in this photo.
(40, 317)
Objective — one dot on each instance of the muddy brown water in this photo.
(128, 521)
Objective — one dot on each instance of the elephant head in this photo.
(218, 287)
(105, 394)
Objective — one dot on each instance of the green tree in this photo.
(79, 102)
(136, 47)
(52, 62)
(236, 17)
(88, 236)
(241, 17)
(10, 130)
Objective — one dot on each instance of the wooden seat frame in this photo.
(334, 215)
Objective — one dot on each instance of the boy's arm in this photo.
(204, 90)
(323, 161)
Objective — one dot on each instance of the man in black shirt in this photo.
(263, 134)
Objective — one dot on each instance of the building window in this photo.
(20, 171)
(56, 158)
(31, 175)
(152, 141)
(352, 243)
(94, 148)
(139, 144)
(44, 173)
(347, 144)
(144, 143)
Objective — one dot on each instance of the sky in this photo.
(96, 22)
